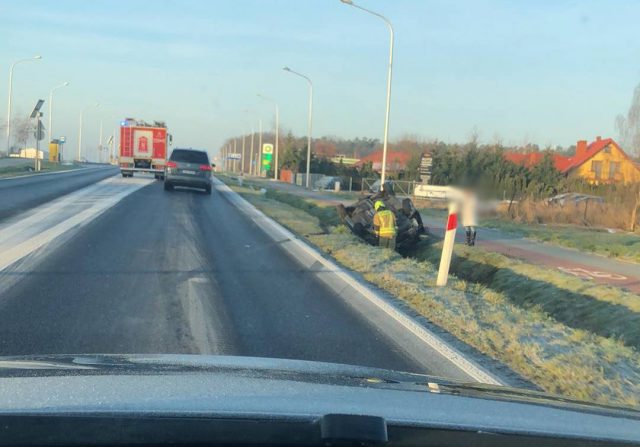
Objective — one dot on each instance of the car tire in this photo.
(168, 186)
(208, 189)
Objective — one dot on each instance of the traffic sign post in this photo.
(39, 132)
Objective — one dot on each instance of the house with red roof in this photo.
(396, 160)
(601, 161)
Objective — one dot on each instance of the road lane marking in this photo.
(309, 257)
(591, 274)
(35, 228)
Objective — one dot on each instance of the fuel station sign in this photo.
(267, 156)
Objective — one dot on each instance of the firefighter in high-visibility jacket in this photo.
(384, 224)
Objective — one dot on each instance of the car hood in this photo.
(245, 387)
(204, 375)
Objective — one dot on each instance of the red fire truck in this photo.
(143, 147)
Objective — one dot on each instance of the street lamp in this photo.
(275, 172)
(386, 117)
(64, 84)
(34, 58)
(308, 122)
(97, 104)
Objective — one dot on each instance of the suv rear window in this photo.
(189, 156)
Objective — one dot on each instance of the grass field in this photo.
(568, 341)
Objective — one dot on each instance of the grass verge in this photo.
(603, 310)
(27, 168)
(561, 359)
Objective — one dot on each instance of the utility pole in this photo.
(309, 122)
(242, 160)
(275, 172)
(235, 151)
(389, 75)
(13, 66)
(251, 156)
(38, 129)
(100, 144)
(258, 166)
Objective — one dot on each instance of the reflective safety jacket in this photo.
(384, 222)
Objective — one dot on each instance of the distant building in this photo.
(602, 161)
(347, 161)
(396, 161)
(30, 152)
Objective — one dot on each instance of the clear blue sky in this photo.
(543, 71)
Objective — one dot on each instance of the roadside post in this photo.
(447, 246)
(39, 131)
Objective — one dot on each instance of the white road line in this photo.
(42, 225)
(301, 250)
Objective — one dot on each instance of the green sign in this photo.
(267, 156)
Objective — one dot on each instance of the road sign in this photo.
(267, 148)
(62, 139)
(426, 163)
(39, 132)
(234, 156)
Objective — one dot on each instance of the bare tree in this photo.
(21, 128)
(3, 129)
(629, 127)
(474, 138)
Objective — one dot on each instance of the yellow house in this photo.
(602, 161)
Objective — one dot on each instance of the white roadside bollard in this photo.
(447, 246)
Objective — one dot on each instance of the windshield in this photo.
(189, 156)
(444, 188)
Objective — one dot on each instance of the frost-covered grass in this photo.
(559, 357)
(603, 310)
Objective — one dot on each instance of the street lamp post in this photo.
(275, 172)
(309, 121)
(100, 144)
(242, 160)
(64, 84)
(389, 74)
(97, 104)
(258, 170)
(235, 151)
(34, 58)
(251, 151)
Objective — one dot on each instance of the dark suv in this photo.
(188, 167)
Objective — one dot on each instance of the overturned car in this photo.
(359, 218)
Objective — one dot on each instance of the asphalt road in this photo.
(22, 193)
(176, 272)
